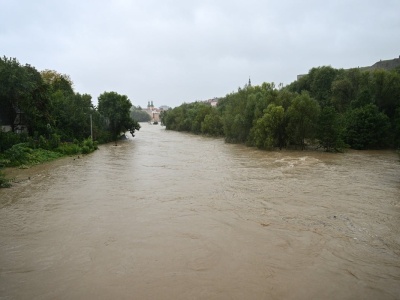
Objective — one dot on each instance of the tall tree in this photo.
(22, 91)
(212, 124)
(269, 130)
(367, 128)
(342, 94)
(329, 130)
(303, 115)
(116, 108)
(322, 78)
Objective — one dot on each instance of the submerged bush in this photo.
(68, 149)
(18, 154)
(85, 150)
(4, 182)
(21, 154)
(38, 149)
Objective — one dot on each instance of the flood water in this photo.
(167, 215)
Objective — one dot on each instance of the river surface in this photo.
(168, 215)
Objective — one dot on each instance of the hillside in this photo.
(389, 64)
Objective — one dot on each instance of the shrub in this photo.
(85, 150)
(18, 154)
(8, 139)
(68, 149)
(4, 182)
(54, 141)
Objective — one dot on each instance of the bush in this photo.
(87, 146)
(85, 150)
(21, 154)
(68, 149)
(8, 139)
(4, 182)
(18, 154)
(367, 128)
(54, 141)
(38, 149)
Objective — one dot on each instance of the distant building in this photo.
(153, 112)
(213, 102)
(164, 107)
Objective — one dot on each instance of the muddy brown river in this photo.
(167, 215)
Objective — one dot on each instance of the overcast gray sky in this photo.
(176, 51)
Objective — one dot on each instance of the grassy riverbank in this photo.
(25, 155)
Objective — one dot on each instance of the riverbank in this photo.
(18, 174)
(28, 154)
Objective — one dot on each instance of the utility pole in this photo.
(91, 128)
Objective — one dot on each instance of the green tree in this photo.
(396, 126)
(177, 118)
(23, 93)
(367, 128)
(329, 130)
(242, 109)
(139, 115)
(363, 98)
(212, 124)
(269, 130)
(322, 78)
(198, 114)
(116, 108)
(302, 115)
(342, 94)
(58, 81)
(385, 87)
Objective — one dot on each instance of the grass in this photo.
(22, 155)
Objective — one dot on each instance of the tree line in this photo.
(327, 108)
(52, 115)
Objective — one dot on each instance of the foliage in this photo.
(329, 108)
(269, 130)
(53, 115)
(4, 182)
(357, 107)
(23, 94)
(139, 115)
(212, 124)
(321, 84)
(396, 126)
(329, 130)
(22, 154)
(8, 139)
(367, 128)
(116, 109)
(85, 147)
(241, 109)
(68, 149)
(302, 119)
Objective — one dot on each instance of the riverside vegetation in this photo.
(328, 108)
(56, 120)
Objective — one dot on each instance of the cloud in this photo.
(174, 51)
